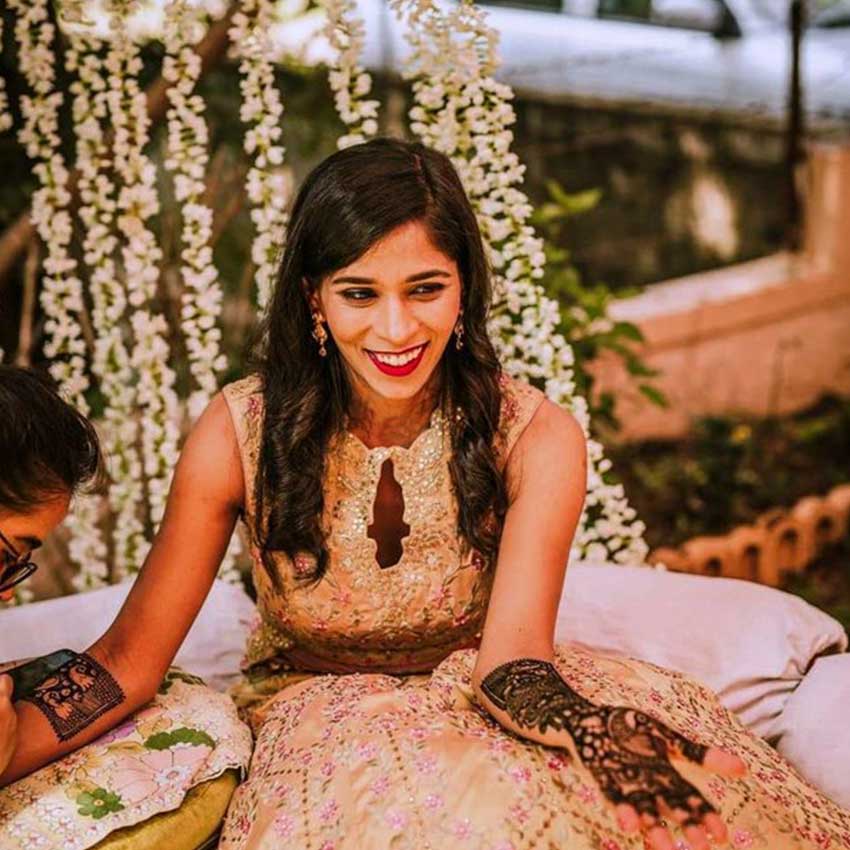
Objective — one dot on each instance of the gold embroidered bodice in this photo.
(401, 618)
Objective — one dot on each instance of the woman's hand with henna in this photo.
(627, 751)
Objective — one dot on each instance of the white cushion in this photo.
(813, 728)
(750, 643)
(211, 650)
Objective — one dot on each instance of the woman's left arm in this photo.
(515, 678)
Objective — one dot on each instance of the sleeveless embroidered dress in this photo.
(368, 736)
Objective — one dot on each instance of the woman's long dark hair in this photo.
(351, 200)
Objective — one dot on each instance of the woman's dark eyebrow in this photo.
(412, 279)
(30, 542)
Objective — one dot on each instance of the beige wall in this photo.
(768, 336)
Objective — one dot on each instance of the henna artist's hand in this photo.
(627, 752)
(8, 722)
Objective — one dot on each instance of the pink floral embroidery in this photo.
(284, 824)
(520, 773)
(519, 813)
(586, 794)
(367, 750)
(717, 787)
(742, 838)
(426, 764)
(380, 786)
(434, 802)
(329, 811)
(462, 828)
(143, 775)
(396, 819)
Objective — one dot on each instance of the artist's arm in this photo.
(515, 678)
(123, 669)
(8, 722)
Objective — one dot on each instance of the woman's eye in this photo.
(429, 288)
(366, 294)
(358, 294)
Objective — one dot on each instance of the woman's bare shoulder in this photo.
(211, 451)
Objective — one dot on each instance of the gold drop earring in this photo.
(459, 332)
(319, 333)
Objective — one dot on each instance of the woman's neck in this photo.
(379, 421)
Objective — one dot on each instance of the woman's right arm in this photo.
(123, 669)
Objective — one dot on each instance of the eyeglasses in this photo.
(14, 567)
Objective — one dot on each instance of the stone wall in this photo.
(679, 194)
(759, 338)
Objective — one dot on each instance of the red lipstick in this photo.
(398, 371)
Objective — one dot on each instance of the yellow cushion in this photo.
(185, 828)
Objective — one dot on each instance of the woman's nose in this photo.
(395, 321)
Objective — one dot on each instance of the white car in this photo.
(728, 56)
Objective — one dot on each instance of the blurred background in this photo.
(689, 163)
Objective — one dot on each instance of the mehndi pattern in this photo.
(625, 750)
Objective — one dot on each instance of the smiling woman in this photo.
(385, 246)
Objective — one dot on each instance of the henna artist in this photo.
(48, 452)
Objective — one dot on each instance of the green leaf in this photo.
(573, 203)
(629, 330)
(183, 735)
(654, 395)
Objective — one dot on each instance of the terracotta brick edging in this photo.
(781, 540)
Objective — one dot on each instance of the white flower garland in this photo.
(111, 359)
(349, 81)
(62, 293)
(5, 114)
(261, 110)
(461, 110)
(188, 157)
(137, 203)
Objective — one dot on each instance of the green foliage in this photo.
(166, 740)
(175, 674)
(98, 803)
(584, 307)
(731, 469)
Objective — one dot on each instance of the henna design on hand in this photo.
(75, 695)
(625, 750)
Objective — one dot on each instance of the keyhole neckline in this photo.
(435, 423)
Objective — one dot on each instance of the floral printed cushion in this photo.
(191, 827)
(187, 735)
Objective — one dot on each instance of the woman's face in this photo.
(401, 298)
(26, 531)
